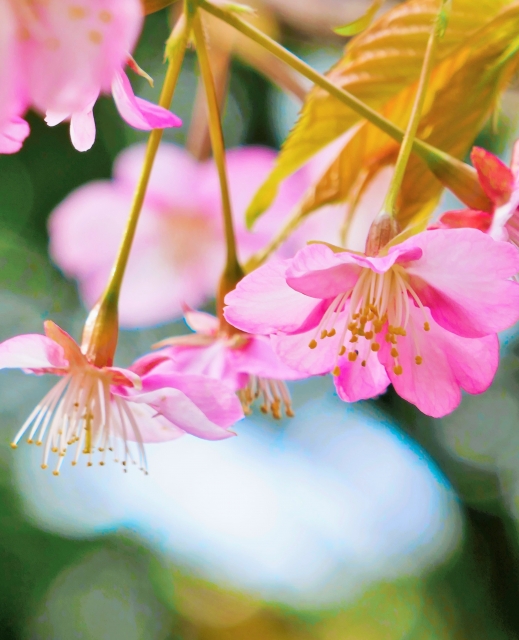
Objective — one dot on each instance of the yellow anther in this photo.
(288, 412)
(264, 409)
(14, 445)
(352, 356)
(331, 333)
(388, 337)
(368, 335)
(324, 333)
(336, 372)
(342, 350)
(354, 339)
(426, 326)
(397, 370)
(54, 449)
(89, 464)
(55, 473)
(102, 464)
(352, 327)
(39, 443)
(377, 326)
(375, 346)
(363, 363)
(74, 463)
(394, 353)
(418, 359)
(30, 440)
(373, 309)
(363, 319)
(44, 466)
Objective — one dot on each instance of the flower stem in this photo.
(176, 47)
(389, 206)
(101, 328)
(232, 271)
(452, 173)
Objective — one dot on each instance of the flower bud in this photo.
(383, 229)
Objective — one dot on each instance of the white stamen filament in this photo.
(77, 411)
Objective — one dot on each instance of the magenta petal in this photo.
(263, 302)
(139, 113)
(318, 272)
(463, 278)
(258, 358)
(32, 352)
(448, 363)
(215, 399)
(176, 407)
(356, 382)
(13, 134)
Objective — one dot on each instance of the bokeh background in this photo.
(364, 522)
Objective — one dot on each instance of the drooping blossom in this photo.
(59, 56)
(178, 252)
(246, 363)
(424, 316)
(501, 185)
(93, 410)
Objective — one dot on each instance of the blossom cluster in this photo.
(57, 57)
(418, 311)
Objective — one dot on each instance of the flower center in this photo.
(81, 412)
(274, 393)
(377, 307)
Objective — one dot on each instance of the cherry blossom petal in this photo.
(201, 322)
(183, 413)
(263, 302)
(139, 113)
(319, 272)
(32, 352)
(218, 403)
(152, 427)
(74, 51)
(464, 218)
(124, 377)
(356, 382)
(13, 134)
(462, 278)
(448, 363)
(495, 177)
(295, 352)
(83, 129)
(258, 358)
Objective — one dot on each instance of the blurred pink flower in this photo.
(244, 362)
(423, 317)
(501, 185)
(178, 253)
(58, 56)
(95, 407)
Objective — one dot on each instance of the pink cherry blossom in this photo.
(501, 185)
(178, 252)
(423, 317)
(59, 56)
(111, 409)
(246, 363)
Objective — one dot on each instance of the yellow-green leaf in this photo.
(462, 93)
(378, 65)
(357, 26)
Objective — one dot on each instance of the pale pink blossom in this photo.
(423, 317)
(501, 184)
(178, 253)
(246, 363)
(59, 56)
(95, 409)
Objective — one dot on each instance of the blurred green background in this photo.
(74, 566)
